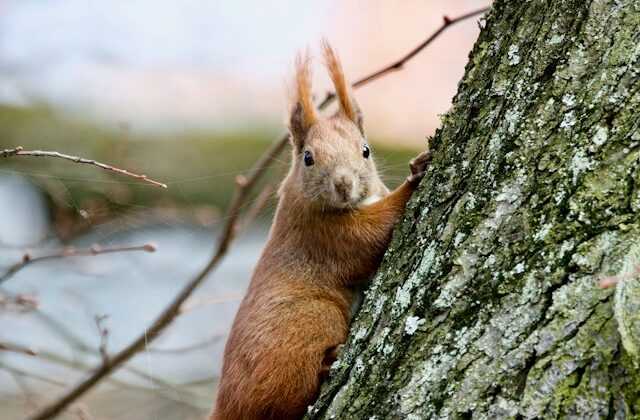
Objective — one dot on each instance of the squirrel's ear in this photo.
(359, 117)
(303, 113)
(348, 107)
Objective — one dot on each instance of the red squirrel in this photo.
(332, 226)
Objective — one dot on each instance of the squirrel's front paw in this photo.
(418, 166)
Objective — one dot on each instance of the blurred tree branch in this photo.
(18, 349)
(27, 259)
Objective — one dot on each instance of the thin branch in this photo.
(18, 349)
(399, 64)
(27, 259)
(104, 337)
(244, 186)
(20, 304)
(19, 151)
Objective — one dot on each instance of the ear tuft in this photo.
(303, 113)
(348, 107)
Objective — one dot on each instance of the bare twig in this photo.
(244, 185)
(104, 337)
(19, 151)
(397, 65)
(71, 252)
(20, 303)
(12, 152)
(18, 349)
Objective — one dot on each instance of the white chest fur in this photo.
(371, 199)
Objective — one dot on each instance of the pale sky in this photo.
(203, 64)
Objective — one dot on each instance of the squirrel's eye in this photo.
(308, 158)
(366, 151)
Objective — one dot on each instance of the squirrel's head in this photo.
(331, 157)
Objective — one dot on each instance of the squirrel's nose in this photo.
(343, 185)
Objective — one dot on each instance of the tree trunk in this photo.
(488, 301)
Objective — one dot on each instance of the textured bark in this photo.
(487, 303)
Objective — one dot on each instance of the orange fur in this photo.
(337, 77)
(303, 88)
(298, 304)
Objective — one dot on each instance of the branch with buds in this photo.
(67, 252)
(19, 303)
(104, 337)
(19, 151)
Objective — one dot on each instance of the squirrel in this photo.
(332, 225)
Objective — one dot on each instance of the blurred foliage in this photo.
(200, 167)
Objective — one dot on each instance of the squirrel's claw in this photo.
(418, 166)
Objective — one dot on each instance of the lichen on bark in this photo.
(487, 303)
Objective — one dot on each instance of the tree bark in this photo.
(488, 303)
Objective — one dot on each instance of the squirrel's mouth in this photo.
(331, 199)
(352, 201)
(339, 193)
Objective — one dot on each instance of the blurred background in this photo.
(189, 93)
